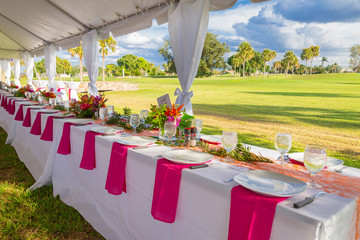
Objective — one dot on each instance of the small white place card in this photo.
(164, 100)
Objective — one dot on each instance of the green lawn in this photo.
(34, 215)
(318, 109)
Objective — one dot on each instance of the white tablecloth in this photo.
(204, 200)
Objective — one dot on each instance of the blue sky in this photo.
(279, 25)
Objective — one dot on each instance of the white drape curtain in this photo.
(188, 24)
(29, 65)
(91, 51)
(17, 72)
(50, 65)
(7, 70)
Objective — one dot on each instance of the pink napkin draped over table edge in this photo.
(88, 160)
(20, 113)
(251, 214)
(47, 134)
(27, 119)
(64, 145)
(36, 127)
(166, 189)
(115, 180)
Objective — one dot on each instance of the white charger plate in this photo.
(187, 156)
(107, 130)
(49, 111)
(79, 120)
(270, 183)
(136, 140)
(63, 115)
(330, 161)
(211, 138)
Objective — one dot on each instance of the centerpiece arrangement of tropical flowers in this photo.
(159, 115)
(23, 90)
(87, 106)
(47, 95)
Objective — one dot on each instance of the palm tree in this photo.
(289, 61)
(324, 59)
(267, 56)
(315, 51)
(245, 52)
(79, 52)
(306, 55)
(105, 45)
(277, 65)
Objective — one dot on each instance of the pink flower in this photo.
(84, 106)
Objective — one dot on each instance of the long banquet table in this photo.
(204, 198)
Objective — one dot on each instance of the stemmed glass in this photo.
(198, 124)
(229, 142)
(169, 129)
(144, 113)
(40, 99)
(314, 161)
(282, 145)
(134, 121)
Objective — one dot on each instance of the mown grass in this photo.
(318, 109)
(34, 215)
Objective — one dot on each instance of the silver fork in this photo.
(339, 170)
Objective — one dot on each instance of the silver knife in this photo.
(308, 200)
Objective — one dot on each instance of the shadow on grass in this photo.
(37, 214)
(306, 94)
(259, 113)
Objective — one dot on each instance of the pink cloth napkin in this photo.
(3, 101)
(64, 145)
(47, 134)
(115, 181)
(8, 106)
(251, 214)
(88, 160)
(12, 108)
(213, 143)
(166, 190)
(36, 128)
(27, 119)
(20, 114)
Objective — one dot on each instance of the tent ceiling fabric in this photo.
(32, 25)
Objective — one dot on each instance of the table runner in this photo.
(115, 180)
(166, 190)
(88, 160)
(251, 214)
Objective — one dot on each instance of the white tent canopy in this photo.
(33, 26)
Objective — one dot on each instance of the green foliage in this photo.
(212, 56)
(245, 52)
(355, 58)
(19, 94)
(60, 107)
(185, 121)
(133, 65)
(63, 66)
(127, 111)
(240, 153)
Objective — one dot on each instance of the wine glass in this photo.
(198, 124)
(134, 121)
(110, 110)
(169, 129)
(67, 105)
(144, 113)
(40, 99)
(282, 145)
(229, 142)
(314, 161)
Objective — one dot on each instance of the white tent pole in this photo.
(188, 24)
(90, 49)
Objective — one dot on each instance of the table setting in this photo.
(154, 176)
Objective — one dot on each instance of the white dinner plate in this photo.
(63, 115)
(270, 183)
(136, 140)
(330, 161)
(79, 120)
(187, 156)
(49, 111)
(212, 138)
(107, 130)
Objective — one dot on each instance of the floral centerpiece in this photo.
(123, 120)
(47, 95)
(87, 106)
(12, 87)
(159, 115)
(23, 90)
